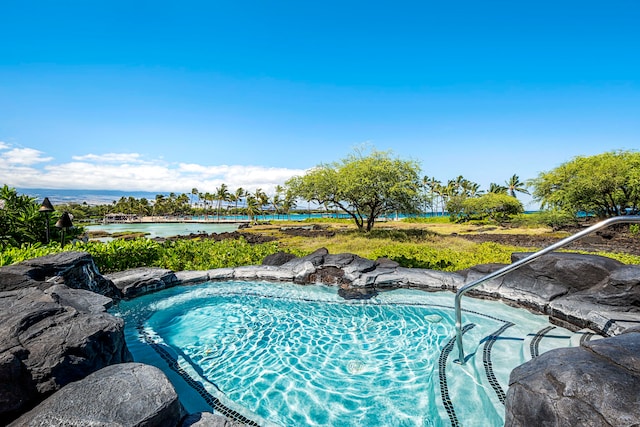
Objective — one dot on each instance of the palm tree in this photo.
(471, 189)
(238, 195)
(515, 185)
(276, 201)
(261, 198)
(252, 207)
(430, 186)
(194, 192)
(497, 188)
(222, 195)
(143, 207)
(206, 197)
(158, 206)
(183, 203)
(288, 203)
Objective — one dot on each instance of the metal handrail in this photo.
(501, 272)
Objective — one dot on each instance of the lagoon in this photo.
(165, 229)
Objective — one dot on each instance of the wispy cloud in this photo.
(28, 168)
(110, 158)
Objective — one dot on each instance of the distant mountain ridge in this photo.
(91, 197)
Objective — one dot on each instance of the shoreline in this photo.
(175, 220)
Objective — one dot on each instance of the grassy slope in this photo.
(434, 244)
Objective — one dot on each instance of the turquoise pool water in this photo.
(290, 355)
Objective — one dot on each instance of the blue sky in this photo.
(167, 96)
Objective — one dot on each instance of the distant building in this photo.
(120, 217)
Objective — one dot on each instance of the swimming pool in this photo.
(287, 355)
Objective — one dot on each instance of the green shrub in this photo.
(556, 218)
(419, 256)
(118, 255)
(490, 206)
(208, 254)
(12, 254)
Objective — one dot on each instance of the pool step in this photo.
(490, 361)
(551, 337)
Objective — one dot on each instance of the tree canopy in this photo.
(365, 187)
(498, 207)
(606, 184)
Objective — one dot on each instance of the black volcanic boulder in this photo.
(49, 338)
(75, 269)
(143, 280)
(597, 384)
(277, 259)
(127, 394)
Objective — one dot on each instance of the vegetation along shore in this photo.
(479, 226)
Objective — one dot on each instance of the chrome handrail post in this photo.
(458, 301)
(504, 270)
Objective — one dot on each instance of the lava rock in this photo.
(74, 269)
(597, 384)
(128, 394)
(51, 338)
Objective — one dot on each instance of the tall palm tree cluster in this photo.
(212, 205)
(437, 194)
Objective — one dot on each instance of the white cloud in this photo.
(132, 172)
(191, 168)
(25, 156)
(3, 145)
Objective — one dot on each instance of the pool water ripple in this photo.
(294, 355)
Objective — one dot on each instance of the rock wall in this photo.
(51, 337)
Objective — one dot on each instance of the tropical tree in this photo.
(289, 202)
(159, 205)
(276, 199)
(221, 195)
(605, 185)
(237, 196)
(22, 223)
(253, 207)
(494, 206)
(194, 192)
(206, 197)
(260, 199)
(497, 188)
(143, 206)
(183, 204)
(514, 185)
(19, 219)
(363, 186)
(430, 187)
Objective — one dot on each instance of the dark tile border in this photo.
(488, 365)
(535, 342)
(442, 374)
(212, 401)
